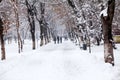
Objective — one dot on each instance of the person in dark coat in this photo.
(54, 39)
(58, 39)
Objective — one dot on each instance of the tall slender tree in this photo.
(15, 7)
(42, 21)
(31, 19)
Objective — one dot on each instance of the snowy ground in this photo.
(58, 62)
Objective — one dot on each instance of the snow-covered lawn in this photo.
(58, 62)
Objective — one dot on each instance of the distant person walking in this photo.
(54, 39)
(58, 39)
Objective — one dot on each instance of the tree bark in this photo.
(31, 19)
(20, 45)
(32, 30)
(2, 41)
(42, 6)
(15, 6)
(41, 33)
(107, 32)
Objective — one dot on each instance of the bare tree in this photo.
(41, 19)
(31, 14)
(15, 7)
(107, 32)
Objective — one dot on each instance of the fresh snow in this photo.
(58, 62)
(104, 12)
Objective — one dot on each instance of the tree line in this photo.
(37, 19)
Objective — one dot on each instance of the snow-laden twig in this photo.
(104, 12)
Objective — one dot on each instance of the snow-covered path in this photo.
(59, 62)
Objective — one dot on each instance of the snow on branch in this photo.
(104, 12)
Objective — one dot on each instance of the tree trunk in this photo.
(107, 32)
(15, 6)
(20, 45)
(33, 33)
(41, 33)
(32, 30)
(2, 47)
(2, 41)
(42, 6)
(31, 19)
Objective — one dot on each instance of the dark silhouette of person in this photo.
(58, 39)
(54, 39)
